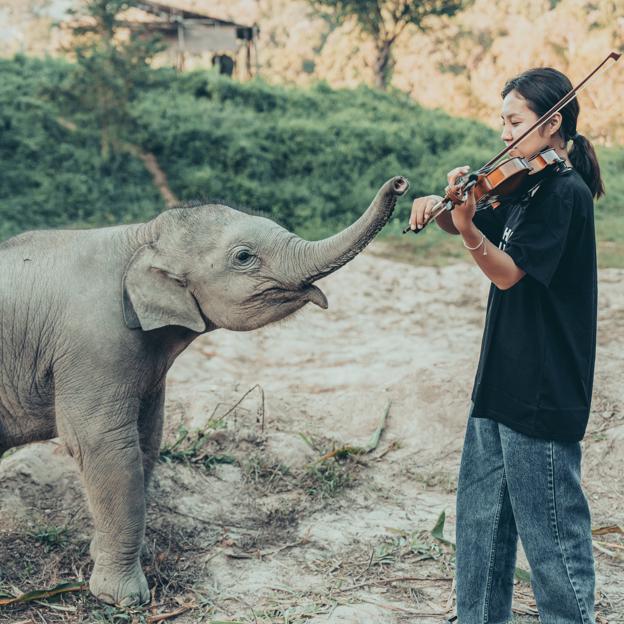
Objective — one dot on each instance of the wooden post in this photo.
(181, 46)
(248, 59)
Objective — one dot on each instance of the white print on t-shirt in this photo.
(505, 238)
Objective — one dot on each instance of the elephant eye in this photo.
(244, 256)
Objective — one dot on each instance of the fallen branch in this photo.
(606, 530)
(396, 579)
(610, 544)
(404, 610)
(521, 609)
(210, 523)
(241, 400)
(260, 554)
(40, 594)
(161, 617)
(602, 549)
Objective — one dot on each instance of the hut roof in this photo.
(166, 9)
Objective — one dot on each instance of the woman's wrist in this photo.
(469, 232)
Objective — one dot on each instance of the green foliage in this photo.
(326, 479)
(52, 170)
(110, 68)
(312, 159)
(385, 20)
(388, 17)
(50, 537)
(191, 448)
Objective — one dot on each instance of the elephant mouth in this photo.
(316, 296)
(276, 295)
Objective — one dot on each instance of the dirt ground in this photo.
(286, 508)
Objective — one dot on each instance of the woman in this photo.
(521, 462)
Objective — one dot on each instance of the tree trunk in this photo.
(383, 64)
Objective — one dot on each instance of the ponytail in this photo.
(584, 160)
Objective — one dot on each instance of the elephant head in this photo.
(212, 266)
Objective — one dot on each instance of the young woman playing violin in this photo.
(520, 471)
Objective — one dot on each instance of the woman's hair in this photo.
(542, 88)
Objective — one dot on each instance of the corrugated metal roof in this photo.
(187, 9)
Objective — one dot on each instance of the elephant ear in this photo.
(154, 295)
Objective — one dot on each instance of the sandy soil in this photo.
(259, 522)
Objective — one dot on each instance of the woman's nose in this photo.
(506, 135)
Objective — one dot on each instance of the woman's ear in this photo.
(154, 295)
(554, 124)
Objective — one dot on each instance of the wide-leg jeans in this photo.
(512, 485)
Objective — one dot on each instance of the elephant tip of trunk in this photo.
(400, 185)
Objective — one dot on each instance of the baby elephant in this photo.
(92, 320)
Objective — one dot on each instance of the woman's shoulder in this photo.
(569, 187)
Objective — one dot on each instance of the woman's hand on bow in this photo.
(463, 212)
(421, 211)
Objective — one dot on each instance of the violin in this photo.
(513, 177)
(497, 180)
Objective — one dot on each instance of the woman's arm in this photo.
(497, 265)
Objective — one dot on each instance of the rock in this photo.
(43, 463)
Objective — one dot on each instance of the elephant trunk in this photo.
(320, 258)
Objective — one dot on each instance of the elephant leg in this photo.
(151, 418)
(102, 434)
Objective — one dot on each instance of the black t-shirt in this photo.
(536, 368)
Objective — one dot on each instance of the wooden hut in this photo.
(194, 33)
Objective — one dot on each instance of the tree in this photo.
(385, 20)
(112, 63)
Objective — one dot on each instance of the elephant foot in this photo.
(125, 588)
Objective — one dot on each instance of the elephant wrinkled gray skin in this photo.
(92, 320)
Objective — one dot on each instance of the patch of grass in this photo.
(268, 475)
(327, 479)
(610, 237)
(50, 537)
(83, 607)
(190, 448)
(412, 546)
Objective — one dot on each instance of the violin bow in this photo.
(446, 202)
(566, 99)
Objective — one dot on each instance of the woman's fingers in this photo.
(421, 210)
(453, 174)
(428, 208)
(415, 215)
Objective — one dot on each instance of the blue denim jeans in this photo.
(513, 485)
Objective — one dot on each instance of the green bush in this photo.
(312, 159)
(52, 170)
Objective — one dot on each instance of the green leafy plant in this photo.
(311, 159)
